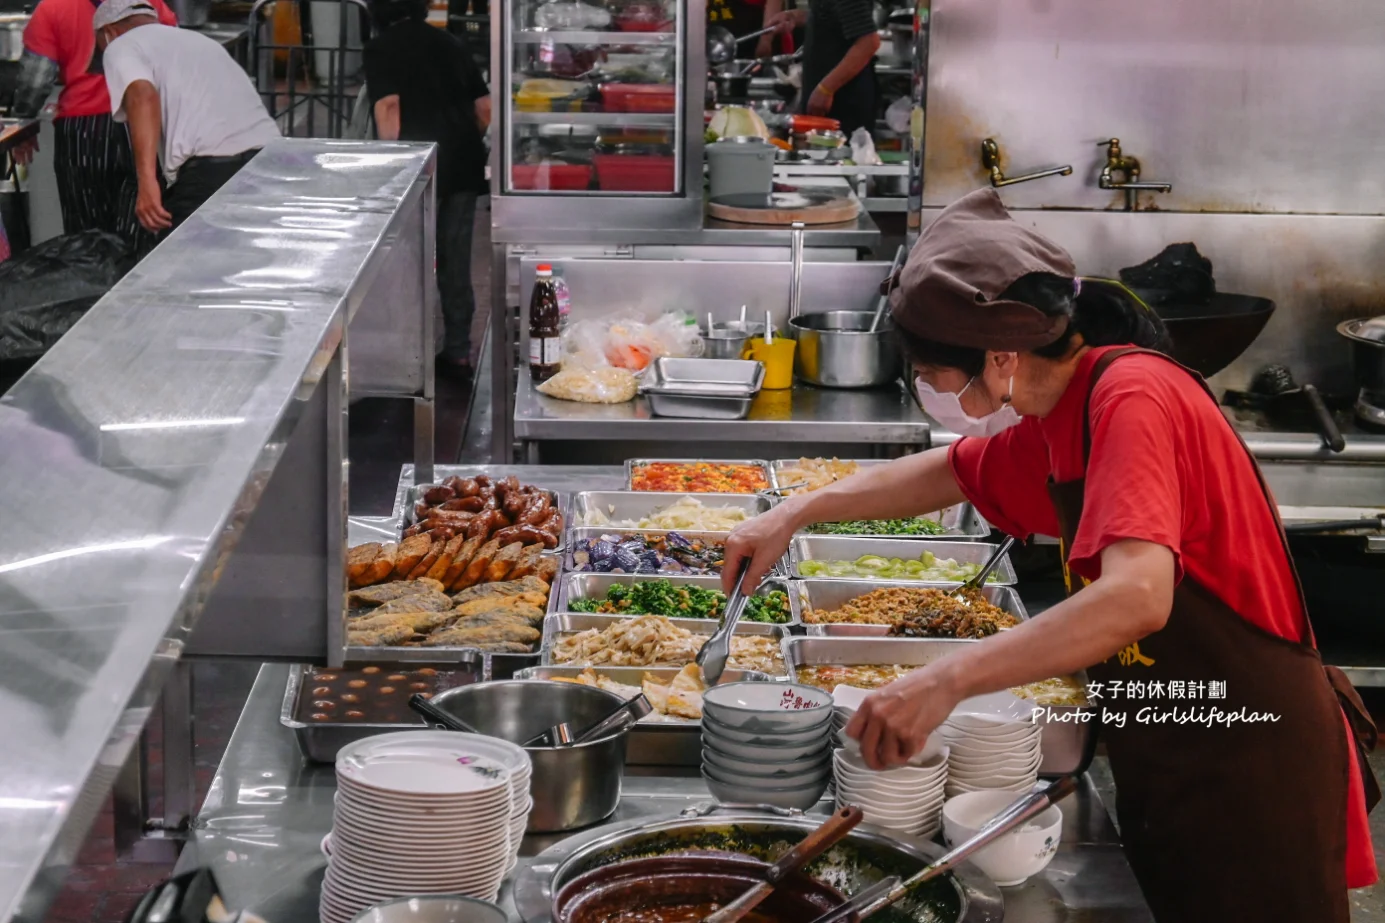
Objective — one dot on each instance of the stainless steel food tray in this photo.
(632, 463)
(560, 500)
(320, 742)
(1068, 745)
(811, 593)
(779, 465)
(699, 406)
(849, 548)
(704, 377)
(495, 665)
(577, 535)
(564, 622)
(655, 741)
(587, 586)
(636, 504)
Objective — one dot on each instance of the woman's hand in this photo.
(820, 103)
(763, 540)
(894, 722)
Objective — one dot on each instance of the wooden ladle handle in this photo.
(815, 844)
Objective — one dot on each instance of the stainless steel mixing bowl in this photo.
(573, 786)
(837, 350)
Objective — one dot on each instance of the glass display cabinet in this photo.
(599, 122)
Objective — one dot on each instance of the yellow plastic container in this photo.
(778, 359)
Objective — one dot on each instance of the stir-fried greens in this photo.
(661, 597)
(917, 525)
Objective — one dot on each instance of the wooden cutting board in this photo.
(807, 206)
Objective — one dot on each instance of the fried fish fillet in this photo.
(521, 606)
(491, 620)
(547, 569)
(423, 601)
(379, 595)
(419, 622)
(530, 585)
(395, 634)
(480, 637)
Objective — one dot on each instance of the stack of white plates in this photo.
(991, 754)
(908, 799)
(767, 743)
(424, 812)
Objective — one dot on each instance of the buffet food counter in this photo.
(262, 827)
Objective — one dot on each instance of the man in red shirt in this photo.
(1180, 580)
(92, 156)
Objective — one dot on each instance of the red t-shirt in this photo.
(1166, 468)
(61, 31)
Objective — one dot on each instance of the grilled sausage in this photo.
(521, 533)
(536, 511)
(483, 479)
(456, 484)
(467, 488)
(435, 496)
(465, 504)
(515, 503)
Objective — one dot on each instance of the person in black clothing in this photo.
(838, 58)
(424, 86)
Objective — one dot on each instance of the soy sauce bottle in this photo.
(545, 323)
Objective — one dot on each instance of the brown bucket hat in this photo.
(948, 289)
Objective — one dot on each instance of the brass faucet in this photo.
(990, 159)
(1129, 169)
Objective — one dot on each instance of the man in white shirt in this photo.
(188, 104)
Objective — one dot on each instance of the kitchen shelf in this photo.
(611, 119)
(581, 37)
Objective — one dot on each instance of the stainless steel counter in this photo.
(803, 414)
(267, 812)
(136, 450)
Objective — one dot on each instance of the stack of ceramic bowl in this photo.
(422, 812)
(991, 754)
(767, 743)
(908, 799)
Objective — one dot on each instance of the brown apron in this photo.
(1245, 821)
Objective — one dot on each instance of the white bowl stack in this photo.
(908, 799)
(991, 754)
(767, 743)
(424, 812)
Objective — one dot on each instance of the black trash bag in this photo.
(1178, 275)
(47, 288)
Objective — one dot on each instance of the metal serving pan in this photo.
(811, 593)
(320, 741)
(577, 535)
(636, 504)
(554, 626)
(632, 463)
(494, 665)
(1068, 745)
(656, 740)
(698, 406)
(587, 586)
(721, 377)
(849, 548)
(559, 499)
(961, 520)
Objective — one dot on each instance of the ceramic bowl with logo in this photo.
(1017, 855)
(773, 708)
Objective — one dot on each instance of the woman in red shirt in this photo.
(1077, 426)
(92, 157)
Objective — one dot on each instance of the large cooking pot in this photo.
(837, 350)
(867, 854)
(1367, 336)
(1210, 335)
(573, 786)
(705, 880)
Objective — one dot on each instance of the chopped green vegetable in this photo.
(927, 567)
(661, 597)
(919, 525)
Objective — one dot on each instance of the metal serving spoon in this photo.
(437, 716)
(980, 577)
(716, 651)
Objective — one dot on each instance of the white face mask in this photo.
(946, 408)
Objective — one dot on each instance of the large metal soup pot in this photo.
(573, 786)
(837, 350)
(1367, 336)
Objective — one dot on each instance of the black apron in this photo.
(1240, 822)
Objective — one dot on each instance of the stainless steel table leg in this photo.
(179, 777)
(423, 440)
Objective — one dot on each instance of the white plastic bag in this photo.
(591, 385)
(863, 149)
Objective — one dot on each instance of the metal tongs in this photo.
(717, 649)
(976, 581)
(1029, 806)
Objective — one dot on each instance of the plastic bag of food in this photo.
(630, 342)
(863, 149)
(591, 385)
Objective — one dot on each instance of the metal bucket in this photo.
(740, 165)
(573, 786)
(836, 350)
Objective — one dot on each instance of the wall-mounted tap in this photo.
(990, 159)
(1129, 169)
